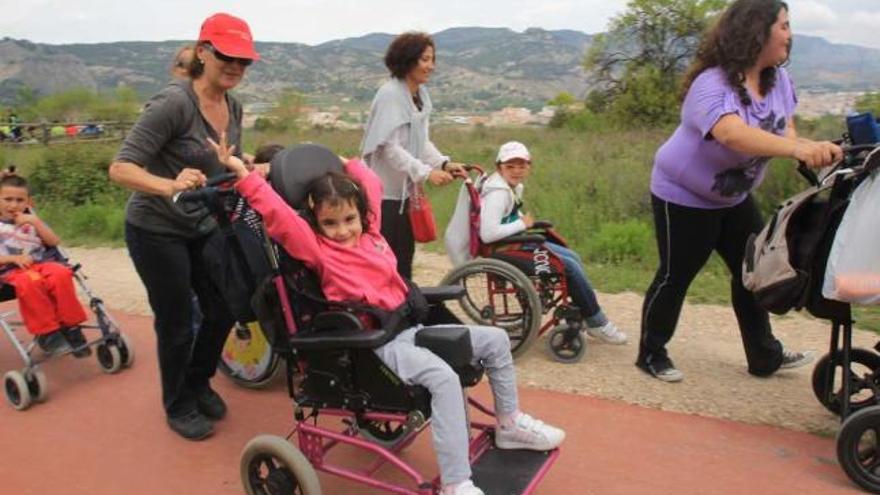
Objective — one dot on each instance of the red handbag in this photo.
(421, 216)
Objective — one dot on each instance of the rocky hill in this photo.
(478, 68)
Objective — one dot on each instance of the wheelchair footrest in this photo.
(510, 472)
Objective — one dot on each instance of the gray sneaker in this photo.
(664, 371)
(796, 359)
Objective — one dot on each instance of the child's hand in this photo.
(529, 220)
(230, 161)
(22, 260)
(23, 218)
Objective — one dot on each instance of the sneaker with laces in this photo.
(463, 488)
(664, 371)
(796, 359)
(528, 433)
(607, 333)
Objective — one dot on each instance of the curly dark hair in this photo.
(734, 44)
(404, 52)
(335, 189)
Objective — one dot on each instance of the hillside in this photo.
(478, 68)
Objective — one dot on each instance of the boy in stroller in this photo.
(44, 288)
(338, 237)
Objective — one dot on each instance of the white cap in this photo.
(511, 150)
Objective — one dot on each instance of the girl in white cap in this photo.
(502, 215)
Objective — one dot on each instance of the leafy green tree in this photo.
(288, 113)
(563, 99)
(646, 48)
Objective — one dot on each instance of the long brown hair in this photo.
(335, 189)
(734, 44)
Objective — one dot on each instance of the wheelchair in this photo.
(515, 283)
(333, 372)
(113, 350)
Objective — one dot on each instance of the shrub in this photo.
(617, 242)
(75, 174)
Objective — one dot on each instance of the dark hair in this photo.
(266, 152)
(404, 52)
(734, 44)
(179, 62)
(197, 66)
(335, 189)
(12, 180)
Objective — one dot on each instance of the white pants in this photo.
(419, 366)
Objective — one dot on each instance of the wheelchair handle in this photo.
(211, 188)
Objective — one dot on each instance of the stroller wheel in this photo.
(17, 392)
(126, 350)
(566, 344)
(109, 357)
(864, 365)
(858, 448)
(37, 384)
(270, 465)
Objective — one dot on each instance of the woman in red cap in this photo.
(165, 153)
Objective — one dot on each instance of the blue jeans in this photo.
(579, 286)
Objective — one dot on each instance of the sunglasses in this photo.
(244, 62)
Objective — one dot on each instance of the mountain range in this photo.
(477, 68)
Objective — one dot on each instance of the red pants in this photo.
(46, 297)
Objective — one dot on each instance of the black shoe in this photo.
(664, 371)
(77, 341)
(52, 343)
(211, 404)
(192, 426)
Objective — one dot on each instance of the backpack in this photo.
(783, 262)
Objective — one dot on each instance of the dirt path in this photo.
(707, 348)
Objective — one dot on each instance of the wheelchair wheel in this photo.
(17, 392)
(384, 433)
(126, 350)
(270, 465)
(109, 357)
(864, 366)
(498, 294)
(858, 448)
(38, 386)
(247, 357)
(566, 345)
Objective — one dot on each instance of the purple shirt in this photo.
(693, 169)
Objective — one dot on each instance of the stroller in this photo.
(514, 282)
(333, 372)
(846, 381)
(113, 349)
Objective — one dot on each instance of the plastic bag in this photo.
(853, 271)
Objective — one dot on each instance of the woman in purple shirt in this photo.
(737, 113)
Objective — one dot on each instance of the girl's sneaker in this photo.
(607, 333)
(463, 488)
(528, 433)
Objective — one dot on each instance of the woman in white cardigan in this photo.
(396, 144)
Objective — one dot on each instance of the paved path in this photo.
(105, 434)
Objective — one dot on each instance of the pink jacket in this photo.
(366, 273)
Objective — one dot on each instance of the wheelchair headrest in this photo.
(294, 168)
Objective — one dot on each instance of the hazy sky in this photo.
(315, 21)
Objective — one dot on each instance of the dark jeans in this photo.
(686, 238)
(397, 230)
(579, 287)
(172, 269)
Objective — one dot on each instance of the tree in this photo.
(289, 110)
(649, 46)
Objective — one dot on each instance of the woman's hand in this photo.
(225, 156)
(439, 177)
(188, 178)
(816, 154)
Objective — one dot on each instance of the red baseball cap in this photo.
(229, 35)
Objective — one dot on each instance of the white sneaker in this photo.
(607, 333)
(795, 359)
(530, 434)
(463, 488)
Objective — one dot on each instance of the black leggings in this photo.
(397, 230)
(172, 268)
(686, 238)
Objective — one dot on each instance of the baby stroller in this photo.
(333, 372)
(846, 380)
(514, 282)
(113, 349)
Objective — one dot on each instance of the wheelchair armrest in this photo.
(527, 238)
(336, 320)
(542, 225)
(340, 339)
(442, 293)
